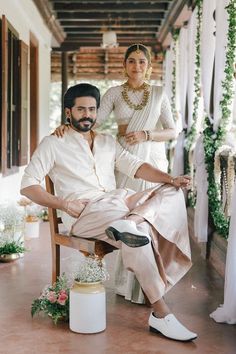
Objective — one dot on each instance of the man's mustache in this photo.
(86, 119)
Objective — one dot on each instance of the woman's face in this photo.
(136, 65)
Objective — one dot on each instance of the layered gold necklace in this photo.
(146, 93)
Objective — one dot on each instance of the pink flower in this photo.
(52, 297)
(62, 297)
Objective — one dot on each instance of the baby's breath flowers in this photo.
(92, 269)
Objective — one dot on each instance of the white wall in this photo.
(25, 18)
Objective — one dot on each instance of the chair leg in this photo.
(55, 262)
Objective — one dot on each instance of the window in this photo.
(14, 89)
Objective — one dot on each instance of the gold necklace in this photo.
(146, 93)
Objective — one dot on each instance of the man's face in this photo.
(83, 114)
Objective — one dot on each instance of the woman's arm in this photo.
(168, 131)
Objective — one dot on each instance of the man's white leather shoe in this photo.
(170, 327)
(127, 232)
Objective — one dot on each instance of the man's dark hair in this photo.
(81, 90)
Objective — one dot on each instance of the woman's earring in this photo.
(125, 73)
(148, 73)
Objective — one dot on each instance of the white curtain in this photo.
(183, 71)
(191, 64)
(168, 68)
(227, 311)
(200, 180)
(208, 42)
(178, 164)
(221, 44)
(207, 64)
(182, 83)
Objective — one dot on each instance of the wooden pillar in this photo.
(64, 81)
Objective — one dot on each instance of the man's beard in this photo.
(77, 124)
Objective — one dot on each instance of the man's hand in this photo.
(181, 182)
(75, 207)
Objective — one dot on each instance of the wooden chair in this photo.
(58, 239)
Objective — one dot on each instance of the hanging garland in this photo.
(169, 146)
(190, 136)
(175, 35)
(213, 140)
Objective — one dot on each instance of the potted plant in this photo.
(11, 233)
(54, 301)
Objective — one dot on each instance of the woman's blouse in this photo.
(112, 100)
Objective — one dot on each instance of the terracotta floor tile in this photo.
(196, 295)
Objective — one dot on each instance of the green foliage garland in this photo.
(175, 35)
(190, 136)
(212, 141)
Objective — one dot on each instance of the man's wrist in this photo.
(65, 205)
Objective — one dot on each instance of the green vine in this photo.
(190, 136)
(175, 35)
(213, 140)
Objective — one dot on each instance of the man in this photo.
(150, 227)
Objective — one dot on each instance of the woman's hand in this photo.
(133, 138)
(60, 131)
(75, 207)
(181, 182)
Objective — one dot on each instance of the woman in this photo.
(145, 122)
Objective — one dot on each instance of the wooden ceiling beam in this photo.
(84, 31)
(92, 16)
(109, 2)
(98, 35)
(111, 24)
(50, 19)
(74, 46)
(114, 8)
(174, 11)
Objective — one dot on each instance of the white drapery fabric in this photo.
(178, 164)
(227, 311)
(182, 83)
(168, 67)
(208, 40)
(207, 65)
(220, 51)
(183, 72)
(201, 210)
(191, 64)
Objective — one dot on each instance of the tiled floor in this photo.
(192, 300)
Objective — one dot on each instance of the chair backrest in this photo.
(54, 220)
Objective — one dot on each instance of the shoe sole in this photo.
(129, 239)
(154, 330)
